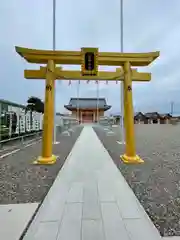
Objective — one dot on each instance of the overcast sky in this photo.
(149, 25)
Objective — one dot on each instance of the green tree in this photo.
(34, 104)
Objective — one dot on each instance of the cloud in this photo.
(148, 26)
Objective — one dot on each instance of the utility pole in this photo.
(54, 48)
(122, 84)
(78, 86)
(97, 106)
(172, 108)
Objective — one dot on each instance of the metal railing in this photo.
(21, 138)
(106, 122)
(64, 123)
(64, 127)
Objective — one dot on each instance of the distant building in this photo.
(150, 118)
(139, 117)
(15, 120)
(63, 119)
(117, 118)
(85, 109)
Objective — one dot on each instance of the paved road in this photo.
(14, 148)
(11, 146)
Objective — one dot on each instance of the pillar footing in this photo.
(45, 160)
(131, 160)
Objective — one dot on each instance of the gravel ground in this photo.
(156, 183)
(22, 182)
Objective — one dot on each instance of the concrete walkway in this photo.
(14, 219)
(90, 200)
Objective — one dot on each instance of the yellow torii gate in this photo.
(89, 59)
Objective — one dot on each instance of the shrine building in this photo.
(89, 109)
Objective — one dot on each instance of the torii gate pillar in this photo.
(48, 121)
(130, 152)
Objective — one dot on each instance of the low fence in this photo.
(106, 121)
(64, 124)
(21, 139)
(174, 121)
(65, 127)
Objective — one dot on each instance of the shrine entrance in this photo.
(85, 109)
(89, 59)
(87, 117)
